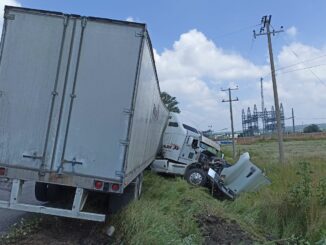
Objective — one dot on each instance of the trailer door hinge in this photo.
(128, 111)
(84, 21)
(139, 34)
(124, 142)
(9, 16)
(65, 20)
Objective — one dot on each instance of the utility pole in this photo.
(265, 30)
(293, 125)
(230, 100)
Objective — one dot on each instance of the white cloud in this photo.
(304, 89)
(2, 5)
(135, 19)
(292, 32)
(195, 69)
(131, 19)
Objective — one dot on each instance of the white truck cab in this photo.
(186, 152)
(180, 147)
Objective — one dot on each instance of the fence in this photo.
(286, 136)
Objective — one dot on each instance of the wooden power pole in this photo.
(265, 30)
(230, 100)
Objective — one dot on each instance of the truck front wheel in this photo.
(196, 176)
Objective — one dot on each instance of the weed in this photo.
(321, 191)
(21, 230)
(294, 205)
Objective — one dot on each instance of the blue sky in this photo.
(217, 19)
(219, 35)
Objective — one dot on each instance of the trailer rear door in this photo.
(98, 99)
(28, 75)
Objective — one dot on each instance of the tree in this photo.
(170, 102)
(312, 128)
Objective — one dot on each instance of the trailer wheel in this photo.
(41, 191)
(54, 193)
(131, 193)
(196, 176)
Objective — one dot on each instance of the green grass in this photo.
(292, 208)
(294, 205)
(166, 213)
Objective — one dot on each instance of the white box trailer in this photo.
(80, 104)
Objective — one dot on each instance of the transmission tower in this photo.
(262, 100)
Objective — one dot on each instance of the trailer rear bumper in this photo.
(76, 211)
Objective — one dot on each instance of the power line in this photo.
(299, 63)
(237, 31)
(312, 118)
(300, 69)
(312, 72)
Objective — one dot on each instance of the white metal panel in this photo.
(244, 176)
(211, 143)
(150, 116)
(95, 95)
(28, 69)
(104, 89)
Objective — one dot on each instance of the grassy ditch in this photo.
(294, 206)
(168, 213)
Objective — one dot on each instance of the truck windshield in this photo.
(208, 148)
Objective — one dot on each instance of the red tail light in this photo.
(2, 171)
(115, 187)
(98, 185)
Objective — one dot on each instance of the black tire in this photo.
(54, 193)
(196, 177)
(41, 191)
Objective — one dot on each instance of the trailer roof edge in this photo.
(100, 19)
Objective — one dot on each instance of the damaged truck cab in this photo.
(183, 152)
(180, 147)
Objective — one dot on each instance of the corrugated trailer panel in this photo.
(150, 115)
(30, 52)
(103, 93)
(79, 96)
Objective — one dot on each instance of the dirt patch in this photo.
(61, 231)
(218, 230)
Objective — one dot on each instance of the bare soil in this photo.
(62, 231)
(217, 230)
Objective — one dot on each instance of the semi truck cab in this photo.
(180, 147)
